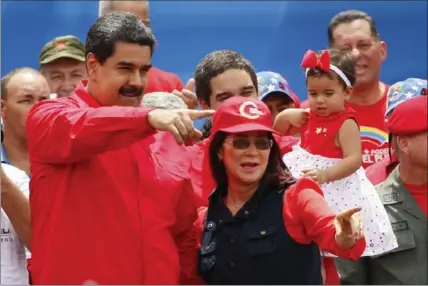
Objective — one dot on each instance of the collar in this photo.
(248, 210)
(83, 93)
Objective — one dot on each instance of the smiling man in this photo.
(62, 62)
(356, 32)
(98, 166)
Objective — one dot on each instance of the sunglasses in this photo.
(242, 143)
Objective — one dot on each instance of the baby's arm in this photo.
(349, 141)
(290, 121)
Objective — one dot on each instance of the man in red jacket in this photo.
(111, 199)
(159, 80)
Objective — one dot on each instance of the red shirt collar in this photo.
(82, 92)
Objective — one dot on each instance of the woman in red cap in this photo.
(261, 226)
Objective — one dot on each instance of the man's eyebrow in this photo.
(125, 64)
(222, 94)
(248, 88)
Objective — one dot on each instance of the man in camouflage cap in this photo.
(62, 62)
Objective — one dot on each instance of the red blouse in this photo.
(319, 134)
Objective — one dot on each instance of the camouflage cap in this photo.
(62, 47)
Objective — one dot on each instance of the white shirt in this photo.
(13, 252)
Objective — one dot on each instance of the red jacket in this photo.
(160, 80)
(202, 179)
(109, 202)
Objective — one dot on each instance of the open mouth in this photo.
(249, 166)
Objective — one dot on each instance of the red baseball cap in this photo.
(242, 114)
(409, 117)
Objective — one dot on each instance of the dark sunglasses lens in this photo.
(241, 143)
(263, 143)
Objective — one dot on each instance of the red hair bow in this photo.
(311, 60)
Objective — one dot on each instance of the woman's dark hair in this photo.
(343, 60)
(275, 176)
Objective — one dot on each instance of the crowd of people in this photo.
(105, 180)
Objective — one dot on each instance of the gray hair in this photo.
(105, 7)
(163, 100)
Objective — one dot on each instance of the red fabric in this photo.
(409, 117)
(160, 80)
(374, 136)
(379, 171)
(200, 171)
(331, 275)
(419, 193)
(307, 219)
(109, 203)
(312, 60)
(242, 114)
(318, 136)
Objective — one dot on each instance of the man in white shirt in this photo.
(15, 225)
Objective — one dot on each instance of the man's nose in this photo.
(356, 53)
(135, 79)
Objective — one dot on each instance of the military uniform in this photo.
(407, 264)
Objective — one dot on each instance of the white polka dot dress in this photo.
(353, 191)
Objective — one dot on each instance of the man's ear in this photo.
(383, 51)
(3, 108)
(92, 65)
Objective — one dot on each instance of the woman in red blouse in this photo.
(261, 226)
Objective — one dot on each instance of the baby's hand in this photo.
(319, 176)
(298, 117)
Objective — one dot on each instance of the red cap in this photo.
(410, 117)
(242, 114)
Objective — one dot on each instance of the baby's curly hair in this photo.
(343, 60)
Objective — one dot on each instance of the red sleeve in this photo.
(286, 143)
(176, 82)
(187, 237)
(308, 218)
(60, 133)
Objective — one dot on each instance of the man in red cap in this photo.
(404, 195)
(397, 93)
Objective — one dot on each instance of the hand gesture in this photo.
(298, 117)
(187, 94)
(319, 176)
(178, 121)
(349, 228)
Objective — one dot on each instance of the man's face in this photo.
(233, 82)
(122, 78)
(23, 91)
(138, 8)
(416, 149)
(277, 103)
(369, 53)
(63, 75)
